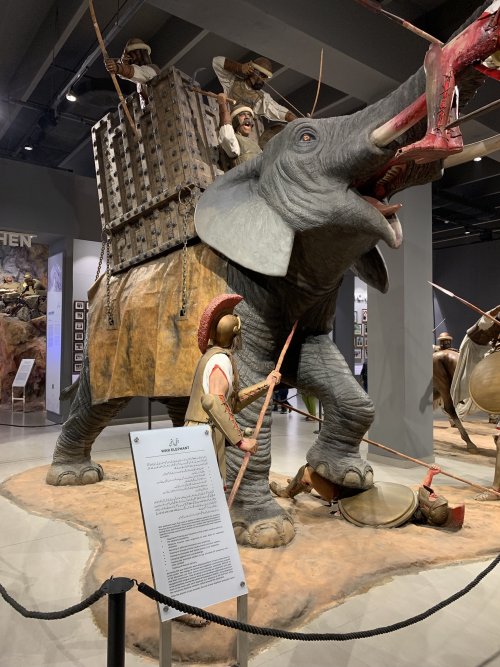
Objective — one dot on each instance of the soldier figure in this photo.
(235, 130)
(31, 285)
(134, 65)
(215, 394)
(243, 82)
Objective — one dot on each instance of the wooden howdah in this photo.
(149, 185)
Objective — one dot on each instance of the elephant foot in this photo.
(74, 474)
(350, 471)
(262, 532)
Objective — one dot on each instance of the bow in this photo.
(113, 76)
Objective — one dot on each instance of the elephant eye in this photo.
(307, 136)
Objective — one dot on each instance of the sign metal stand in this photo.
(22, 375)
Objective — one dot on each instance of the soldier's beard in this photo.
(258, 85)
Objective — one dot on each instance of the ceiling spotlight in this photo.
(467, 232)
(28, 147)
(70, 96)
(478, 158)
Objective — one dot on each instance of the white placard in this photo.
(192, 548)
(23, 372)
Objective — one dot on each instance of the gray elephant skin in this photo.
(291, 222)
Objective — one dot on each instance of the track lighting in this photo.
(28, 147)
(70, 95)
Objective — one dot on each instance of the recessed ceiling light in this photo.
(478, 158)
(467, 231)
(28, 147)
(70, 96)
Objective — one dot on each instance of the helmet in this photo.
(263, 66)
(226, 329)
(240, 108)
(136, 44)
(213, 315)
(28, 276)
(445, 336)
(435, 509)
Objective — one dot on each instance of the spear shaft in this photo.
(400, 454)
(369, 4)
(260, 420)
(467, 303)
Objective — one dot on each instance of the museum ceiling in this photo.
(48, 47)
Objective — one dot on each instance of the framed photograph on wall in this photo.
(357, 329)
(79, 315)
(357, 353)
(364, 330)
(78, 335)
(364, 315)
(79, 305)
(78, 326)
(355, 316)
(78, 347)
(78, 356)
(359, 341)
(77, 368)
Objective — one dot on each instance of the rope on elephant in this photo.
(319, 636)
(153, 594)
(54, 615)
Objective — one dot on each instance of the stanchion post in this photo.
(242, 637)
(116, 590)
(165, 643)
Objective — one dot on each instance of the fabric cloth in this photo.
(142, 74)
(470, 355)
(261, 102)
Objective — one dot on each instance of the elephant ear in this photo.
(232, 218)
(371, 268)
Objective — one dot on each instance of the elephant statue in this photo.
(281, 230)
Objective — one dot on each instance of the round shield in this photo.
(385, 505)
(484, 384)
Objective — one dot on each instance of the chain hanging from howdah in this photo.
(185, 207)
(106, 244)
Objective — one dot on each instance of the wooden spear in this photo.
(403, 456)
(369, 4)
(467, 303)
(209, 94)
(260, 420)
(113, 76)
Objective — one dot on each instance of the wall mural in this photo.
(23, 319)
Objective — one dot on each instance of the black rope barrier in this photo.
(314, 637)
(54, 615)
(123, 584)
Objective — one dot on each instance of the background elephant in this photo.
(289, 224)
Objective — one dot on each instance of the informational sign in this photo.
(192, 548)
(54, 333)
(23, 372)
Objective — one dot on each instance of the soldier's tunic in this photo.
(195, 414)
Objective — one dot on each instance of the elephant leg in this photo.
(348, 413)
(176, 409)
(71, 463)
(258, 520)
